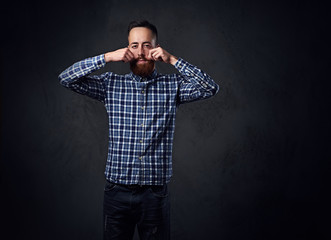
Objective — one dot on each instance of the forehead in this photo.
(141, 34)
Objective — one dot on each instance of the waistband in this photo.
(134, 186)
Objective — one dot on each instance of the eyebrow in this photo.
(138, 43)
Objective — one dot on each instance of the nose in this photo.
(140, 51)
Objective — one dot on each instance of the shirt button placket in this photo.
(143, 100)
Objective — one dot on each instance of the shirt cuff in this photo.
(100, 60)
(180, 64)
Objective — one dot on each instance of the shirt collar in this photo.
(137, 78)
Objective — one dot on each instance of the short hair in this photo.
(143, 23)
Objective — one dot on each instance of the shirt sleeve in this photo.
(194, 83)
(76, 77)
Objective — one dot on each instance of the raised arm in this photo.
(77, 78)
(194, 84)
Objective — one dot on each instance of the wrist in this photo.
(173, 60)
(107, 57)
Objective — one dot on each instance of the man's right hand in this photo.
(123, 54)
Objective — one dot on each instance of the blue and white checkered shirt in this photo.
(141, 113)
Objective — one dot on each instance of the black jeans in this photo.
(125, 207)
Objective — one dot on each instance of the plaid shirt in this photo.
(141, 115)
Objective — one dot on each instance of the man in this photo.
(141, 109)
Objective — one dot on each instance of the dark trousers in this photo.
(146, 207)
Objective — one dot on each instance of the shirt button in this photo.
(142, 107)
(141, 141)
(140, 157)
(142, 91)
(142, 124)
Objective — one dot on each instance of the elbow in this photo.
(62, 79)
(215, 89)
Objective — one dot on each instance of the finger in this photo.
(150, 54)
(129, 53)
(154, 53)
(158, 56)
(154, 50)
(129, 57)
(153, 56)
(125, 59)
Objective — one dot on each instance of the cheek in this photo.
(135, 52)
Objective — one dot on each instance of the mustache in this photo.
(141, 58)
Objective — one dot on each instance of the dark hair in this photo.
(143, 23)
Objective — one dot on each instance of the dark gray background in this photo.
(250, 163)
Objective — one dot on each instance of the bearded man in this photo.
(141, 108)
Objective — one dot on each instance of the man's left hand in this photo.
(159, 54)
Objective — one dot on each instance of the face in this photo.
(141, 41)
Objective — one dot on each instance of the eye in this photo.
(147, 46)
(134, 46)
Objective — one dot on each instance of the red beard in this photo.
(142, 69)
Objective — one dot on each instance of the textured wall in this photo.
(249, 163)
